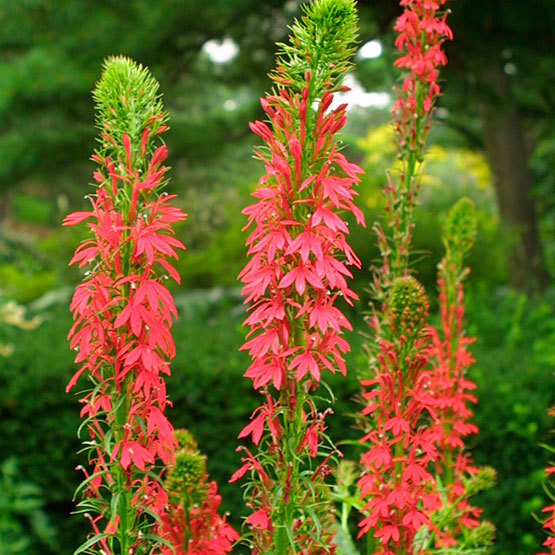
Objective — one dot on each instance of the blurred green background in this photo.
(493, 140)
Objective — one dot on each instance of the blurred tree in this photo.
(498, 91)
(504, 52)
(52, 54)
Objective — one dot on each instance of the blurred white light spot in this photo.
(230, 105)
(507, 53)
(371, 49)
(291, 6)
(442, 112)
(358, 96)
(220, 51)
(510, 68)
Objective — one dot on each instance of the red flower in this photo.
(549, 520)
(202, 531)
(259, 519)
(296, 271)
(122, 319)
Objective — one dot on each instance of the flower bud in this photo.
(459, 229)
(185, 440)
(408, 304)
(185, 478)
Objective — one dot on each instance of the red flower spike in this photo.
(421, 28)
(394, 480)
(449, 385)
(297, 268)
(122, 324)
(401, 444)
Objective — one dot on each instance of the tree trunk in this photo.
(506, 149)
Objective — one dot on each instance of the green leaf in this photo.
(315, 519)
(90, 542)
(345, 544)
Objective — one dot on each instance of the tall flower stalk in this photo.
(123, 313)
(397, 487)
(456, 521)
(296, 271)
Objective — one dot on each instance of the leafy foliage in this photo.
(24, 525)
(515, 387)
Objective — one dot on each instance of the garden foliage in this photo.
(449, 384)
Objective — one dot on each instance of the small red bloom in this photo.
(259, 519)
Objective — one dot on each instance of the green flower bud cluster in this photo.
(481, 535)
(126, 98)
(322, 42)
(482, 480)
(459, 229)
(185, 440)
(408, 304)
(185, 479)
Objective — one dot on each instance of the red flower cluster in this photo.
(422, 30)
(549, 522)
(297, 269)
(202, 531)
(396, 483)
(451, 387)
(123, 314)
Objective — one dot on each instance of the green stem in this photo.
(123, 506)
(451, 299)
(448, 467)
(404, 212)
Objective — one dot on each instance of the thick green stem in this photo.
(291, 437)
